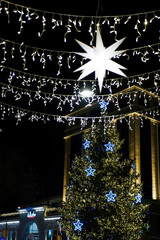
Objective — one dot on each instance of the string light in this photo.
(67, 58)
(131, 93)
(140, 22)
(28, 78)
(20, 113)
(71, 21)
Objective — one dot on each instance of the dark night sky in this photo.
(31, 154)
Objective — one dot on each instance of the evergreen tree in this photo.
(103, 199)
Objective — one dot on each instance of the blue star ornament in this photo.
(138, 198)
(111, 196)
(103, 105)
(78, 225)
(90, 171)
(109, 146)
(86, 144)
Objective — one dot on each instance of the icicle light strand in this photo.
(19, 113)
(141, 20)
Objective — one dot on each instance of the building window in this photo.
(49, 234)
(11, 235)
(31, 231)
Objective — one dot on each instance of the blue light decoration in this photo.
(78, 225)
(111, 196)
(60, 228)
(109, 146)
(134, 166)
(88, 158)
(138, 198)
(103, 105)
(90, 171)
(86, 144)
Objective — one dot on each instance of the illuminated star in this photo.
(109, 146)
(111, 196)
(90, 171)
(78, 225)
(100, 59)
(103, 105)
(138, 198)
(86, 144)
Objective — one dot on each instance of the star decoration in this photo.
(103, 105)
(90, 171)
(111, 196)
(138, 198)
(109, 146)
(78, 225)
(100, 59)
(86, 144)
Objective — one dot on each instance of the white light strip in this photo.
(37, 209)
(51, 218)
(11, 222)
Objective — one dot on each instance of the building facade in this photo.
(31, 223)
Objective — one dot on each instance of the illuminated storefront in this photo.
(32, 223)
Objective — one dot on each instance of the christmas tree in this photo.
(103, 200)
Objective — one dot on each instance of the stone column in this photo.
(134, 145)
(66, 165)
(155, 160)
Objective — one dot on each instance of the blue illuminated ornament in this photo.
(109, 146)
(111, 196)
(103, 105)
(134, 167)
(78, 225)
(90, 171)
(86, 144)
(60, 228)
(138, 198)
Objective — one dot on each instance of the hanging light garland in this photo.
(140, 20)
(20, 113)
(129, 94)
(27, 81)
(66, 58)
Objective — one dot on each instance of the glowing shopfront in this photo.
(33, 223)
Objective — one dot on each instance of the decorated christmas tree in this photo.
(103, 200)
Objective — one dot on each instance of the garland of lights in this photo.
(27, 79)
(20, 113)
(76, 98)
(73, 100)
(140, 20)
(67, 58)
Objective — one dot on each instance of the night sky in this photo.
(32, 154)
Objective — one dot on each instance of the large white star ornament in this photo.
(100, 59)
